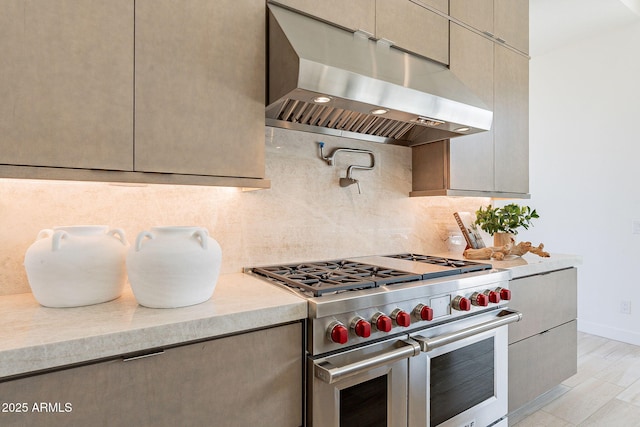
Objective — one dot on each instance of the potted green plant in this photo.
(503, 223)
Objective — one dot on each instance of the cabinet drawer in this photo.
(545, 300)
(539, 363)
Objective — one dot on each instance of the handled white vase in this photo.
(77, 265)
(171, 267)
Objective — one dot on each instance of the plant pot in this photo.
(501, 239)
(173, 267)
(77, 265)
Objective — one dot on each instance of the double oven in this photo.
(424, 345)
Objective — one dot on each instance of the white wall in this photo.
(585, 171)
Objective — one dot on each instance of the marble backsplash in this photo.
(305, 215)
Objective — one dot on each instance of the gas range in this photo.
(363, 299)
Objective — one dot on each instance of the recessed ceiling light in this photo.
(462, 129)
(379, 111)
(322, 99)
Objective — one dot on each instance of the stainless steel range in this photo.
(403, 339)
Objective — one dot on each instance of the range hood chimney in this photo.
(327, 80)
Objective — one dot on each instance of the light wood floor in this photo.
(605, 391)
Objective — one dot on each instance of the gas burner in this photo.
(457, 265)
(325, 277)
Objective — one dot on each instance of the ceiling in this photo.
(555, 23)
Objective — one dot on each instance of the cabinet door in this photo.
(251, 379)
(353, 15)
(477, 13)
(472, 156)
(413, 28)
(511, 120)
(66, 86)
(511, 22)
(200, 85)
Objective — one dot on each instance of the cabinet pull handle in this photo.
(142, 356)
(487, 33)
(499, 40)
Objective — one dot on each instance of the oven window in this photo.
(461, 379)
(365, 404)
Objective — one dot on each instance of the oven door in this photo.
(460, 379)
(366, 386)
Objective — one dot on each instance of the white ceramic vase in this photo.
(171, 267)
(77, 265)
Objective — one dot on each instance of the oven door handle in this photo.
(505, 317)
(329, 373)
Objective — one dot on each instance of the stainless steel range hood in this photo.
(420, 100)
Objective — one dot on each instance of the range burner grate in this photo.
(320, 278)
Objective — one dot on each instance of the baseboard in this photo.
(617, 334)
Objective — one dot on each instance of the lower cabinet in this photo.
(543, 345)
(242, 380)
(539, 363)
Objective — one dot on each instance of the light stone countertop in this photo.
(34, 338)
(528, 264)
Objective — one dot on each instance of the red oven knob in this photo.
(338, 333)
(423, 312)
(361, 327)
(505, 294)
(479, 299)
(461, 303)
(494, 296)
(402, 318)
(382, 322)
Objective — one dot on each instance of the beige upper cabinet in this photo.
(85, 97)
(500, 77)
(413, 27)
(353, 14)
(409, 25)
(511, 22)
(472, 156)
(66, 85)
(493, 163)
(511, 120)
(200, 87)
(507, 21)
